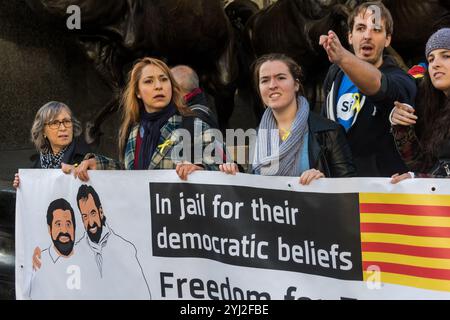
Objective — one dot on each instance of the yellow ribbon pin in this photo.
(166, 143)
(357, 104)
(285, 135)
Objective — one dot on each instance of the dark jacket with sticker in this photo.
(372, 145)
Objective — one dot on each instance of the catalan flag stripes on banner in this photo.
(407, 238)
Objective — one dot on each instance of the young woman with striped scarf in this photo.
(292, 140)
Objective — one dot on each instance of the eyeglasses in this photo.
(67, 123)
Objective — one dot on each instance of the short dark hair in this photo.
(294, 68)
(59, 204)
(83, 193)
(363, 7)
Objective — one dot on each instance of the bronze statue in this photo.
(114, 34)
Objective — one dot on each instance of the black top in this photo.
(371, 142)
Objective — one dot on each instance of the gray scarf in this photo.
(97, 247)
(273, 158)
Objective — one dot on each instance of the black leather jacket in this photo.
(328, 148)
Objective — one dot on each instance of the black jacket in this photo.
(328, 149)
(371, 142)
(74, 154)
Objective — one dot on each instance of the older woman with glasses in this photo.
(55, 135)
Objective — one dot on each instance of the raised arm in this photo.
(364, 75)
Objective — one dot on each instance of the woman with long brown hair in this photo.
(291, 140)
(152, 110)
(423, 139)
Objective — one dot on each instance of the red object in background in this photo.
(417, 71)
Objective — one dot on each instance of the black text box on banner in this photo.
(314, 233)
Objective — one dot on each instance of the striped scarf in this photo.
(273, 157)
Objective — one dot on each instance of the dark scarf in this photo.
(150, 131)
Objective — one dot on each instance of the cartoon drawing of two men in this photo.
(101, 264)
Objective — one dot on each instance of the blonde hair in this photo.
(45, 114)
(131, 104)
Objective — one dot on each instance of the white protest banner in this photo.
(149, 235)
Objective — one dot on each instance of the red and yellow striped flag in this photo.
(407, 236)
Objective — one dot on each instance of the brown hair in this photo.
(433, 108)
(294, 68)
(131, 104)
(362, 8)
